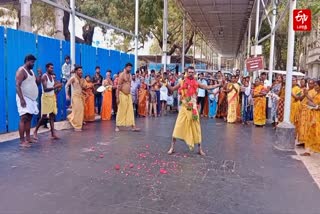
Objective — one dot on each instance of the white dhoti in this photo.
(31, 106)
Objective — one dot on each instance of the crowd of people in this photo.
(123, 96)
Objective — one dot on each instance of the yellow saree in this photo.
(233, 101)
(295, 105)
(259, 107)
(303, 124)
(313, 138)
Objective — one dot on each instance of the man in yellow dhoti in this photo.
(303, 125)
(187, 126)
(77, 115)
(48, 101)
(125, 114)
(233, 90)
(296, 96)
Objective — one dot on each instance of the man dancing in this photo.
(125, 114)
(26, 97)
(48, 101)
(187, 126)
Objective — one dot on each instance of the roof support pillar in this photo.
(256, 35)
(183, 42)
(136, 39)
(73, 34)
(285, 133)
(273, 24)
(165, 32)
(290, 54)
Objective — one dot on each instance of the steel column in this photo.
(183, 43)
(165, 29)
(290, 54)
(136, 32)
(73, 34)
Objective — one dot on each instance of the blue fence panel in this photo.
(113, 61)
(89, 60)
(66, 51)
(131, 60)
(19, 44)
(3, 91)
(102, 57)
(53, 56)
(123, 59)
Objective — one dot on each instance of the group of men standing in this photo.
(27, 94)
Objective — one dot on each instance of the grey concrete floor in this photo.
(100, 171)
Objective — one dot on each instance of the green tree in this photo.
(281, 41)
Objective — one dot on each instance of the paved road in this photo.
(99, 171)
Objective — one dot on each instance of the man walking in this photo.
(26, 97)
(48, 101)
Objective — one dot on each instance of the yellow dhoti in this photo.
(77, 115)
(48, 104)
(125, 115)
(186, 128)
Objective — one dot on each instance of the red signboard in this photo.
(302, 20)
(254, 64)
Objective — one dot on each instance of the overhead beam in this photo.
(87, 17)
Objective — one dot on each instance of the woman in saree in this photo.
(259, 106)
(106, 111)
(296, 97)
(89, 109)
(275, 90)
(222, 102)
(213, 99)
(312, 143)
(233, 100)
(142, 99)
(305, 113)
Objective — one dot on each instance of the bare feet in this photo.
(33, 140)
(201, 152)
(35, 135)
(54, 137)
(306, 154)
(135, 129)
(25, 144)
(117, 129)
(171, 150)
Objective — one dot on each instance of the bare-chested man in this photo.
(125, 114)
(77, 115)
(48, 101)
(26, 97)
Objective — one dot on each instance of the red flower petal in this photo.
(101, 156)
(117, 167)
(163, 171)
(131, 165)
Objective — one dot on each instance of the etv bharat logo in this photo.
(302, 20)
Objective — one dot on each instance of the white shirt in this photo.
(202, 92)
(266, 83)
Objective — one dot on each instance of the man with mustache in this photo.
(26, 97)
(187, 126)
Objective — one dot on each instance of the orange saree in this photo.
(106, 111)
(89, 114)
(142, 102)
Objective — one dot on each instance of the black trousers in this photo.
(200, 101)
